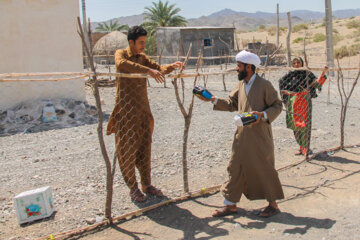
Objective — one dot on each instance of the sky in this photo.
(102, 10)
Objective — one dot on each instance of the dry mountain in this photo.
(245, 20)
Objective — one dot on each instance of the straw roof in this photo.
(109, 43)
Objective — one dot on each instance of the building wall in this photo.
(39, 36)
(222, 42)
(174, 40)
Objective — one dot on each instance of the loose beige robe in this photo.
(251, 169)
(131, 120)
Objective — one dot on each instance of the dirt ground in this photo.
(321, 196)
(322, 202)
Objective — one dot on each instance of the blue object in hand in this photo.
(201, 91)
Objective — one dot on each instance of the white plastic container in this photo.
(34, 204)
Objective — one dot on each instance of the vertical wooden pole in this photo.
(277, 25)
(288, 40)
(329, 36)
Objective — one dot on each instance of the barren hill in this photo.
(244, 20)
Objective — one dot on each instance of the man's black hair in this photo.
(135, 32)
(253, 68)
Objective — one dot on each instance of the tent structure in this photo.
(108, 44)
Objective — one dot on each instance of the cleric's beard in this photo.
(242, 75)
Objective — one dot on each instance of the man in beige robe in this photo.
(131, 120)
(251, 169)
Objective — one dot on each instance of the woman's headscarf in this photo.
(297, 81)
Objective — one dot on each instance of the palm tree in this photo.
(161, 15)
(113, 26)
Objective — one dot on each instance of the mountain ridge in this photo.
(244, 20)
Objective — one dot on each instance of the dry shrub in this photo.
(337, 38)
(353, 24)
(321, 25)
(272, 30)
(319, 37)
(345, 51)
(261, 28)
(300, 27)
(301, 39)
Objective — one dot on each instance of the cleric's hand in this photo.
(206, 99)
(259, 115)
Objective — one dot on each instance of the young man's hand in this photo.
(158, 76)
(178, 64)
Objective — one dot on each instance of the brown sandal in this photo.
(225, 211)
(269, 211)
(153, 191)
(137, 196)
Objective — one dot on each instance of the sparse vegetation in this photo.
(353, 24)
(301, 39)
(352, 17)
(321, 25)
(272, 30)
(299, 27)
(354, 34)
(335, 31)
(337, 38)
(345, 51)
(319, 37)
(283, 29)
(262, 27)
(297, 40)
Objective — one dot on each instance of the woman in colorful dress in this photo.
(297, 89)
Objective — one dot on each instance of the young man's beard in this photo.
(242, 75)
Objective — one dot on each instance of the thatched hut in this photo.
(108, 44)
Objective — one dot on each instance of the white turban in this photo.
(248, 58)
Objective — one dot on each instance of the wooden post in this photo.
(86, 35)
(96, 92)
(288, 40)
(329, 36)
(344, 97)
(277, 25)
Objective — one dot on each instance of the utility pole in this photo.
(329, 36)
(277, 25)
(288, 40)
(85, 28)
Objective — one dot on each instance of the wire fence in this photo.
(149, 137)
